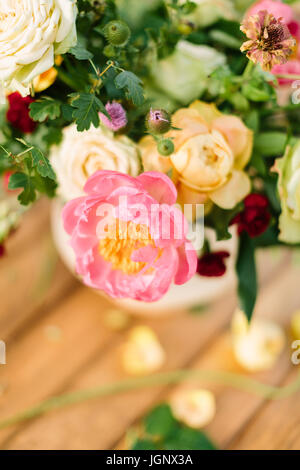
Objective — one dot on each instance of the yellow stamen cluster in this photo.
(122, 239)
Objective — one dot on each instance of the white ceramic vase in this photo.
(198, 291)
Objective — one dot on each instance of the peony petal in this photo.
(159, 186)
(69, 215)
(147, 254)
(103, 182)
(233, 192)
(187, 265)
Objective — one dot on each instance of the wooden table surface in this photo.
(58, 340)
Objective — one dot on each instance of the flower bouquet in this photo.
(167, 130)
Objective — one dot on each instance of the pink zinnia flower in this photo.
(270, 41)
(128, 237)
(279, 10)
(117, 114)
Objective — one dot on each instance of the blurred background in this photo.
(60, 337)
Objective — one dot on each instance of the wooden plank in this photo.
(99, 424)
(31, 281)
(42, 363)
(33, 223)
(276, 426)
(236, 408)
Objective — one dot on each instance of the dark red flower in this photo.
(212, 264)
(18, 113)
(255, 217)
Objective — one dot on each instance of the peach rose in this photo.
(211, 152)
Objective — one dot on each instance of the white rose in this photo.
(32, 32)
(183, 75)
(83, 153)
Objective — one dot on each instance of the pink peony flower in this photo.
(128, 237)
(117, 114)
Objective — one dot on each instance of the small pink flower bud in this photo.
(117, 114)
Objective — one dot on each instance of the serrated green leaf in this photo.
(21, 180)
(87, 107)
(46, 108)
(45, 185)
(53, 136)
(247, 277)
(160, 421)
(67, 111)
(42, 164)
(80, 52)
(132, 85)
(143, 444)
(185, 438)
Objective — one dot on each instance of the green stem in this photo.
(288, 76)
(67, 80)
(248, 70)
(230, 379)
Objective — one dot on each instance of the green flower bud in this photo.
(158, 121)
(165, 147)
(117, 33)
(98, 5)
(109, 51)
(185, 28)
(188, 8)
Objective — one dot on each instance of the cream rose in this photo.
(83, 153)
(32, 32)
(211, 152)
(288, 168)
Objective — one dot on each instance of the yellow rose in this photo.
(46, 79)
(194, 407)
(258, 345)
(142, 353)
(80, 154)
(211, 152)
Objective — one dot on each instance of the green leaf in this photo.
(185, 438)
(67, 111)
(225, 39)
(46, 108)
(42, 164)
(132, 85)
(21, 180)
(87, 110)
(45, 185)
(270, 144)
(53, 136)
(252, 120)
(219, 219)
(143, 444)
(198, 309)
(80, 52)
(258, 163)
(160, 421)
(255, 94)
(246, 272)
